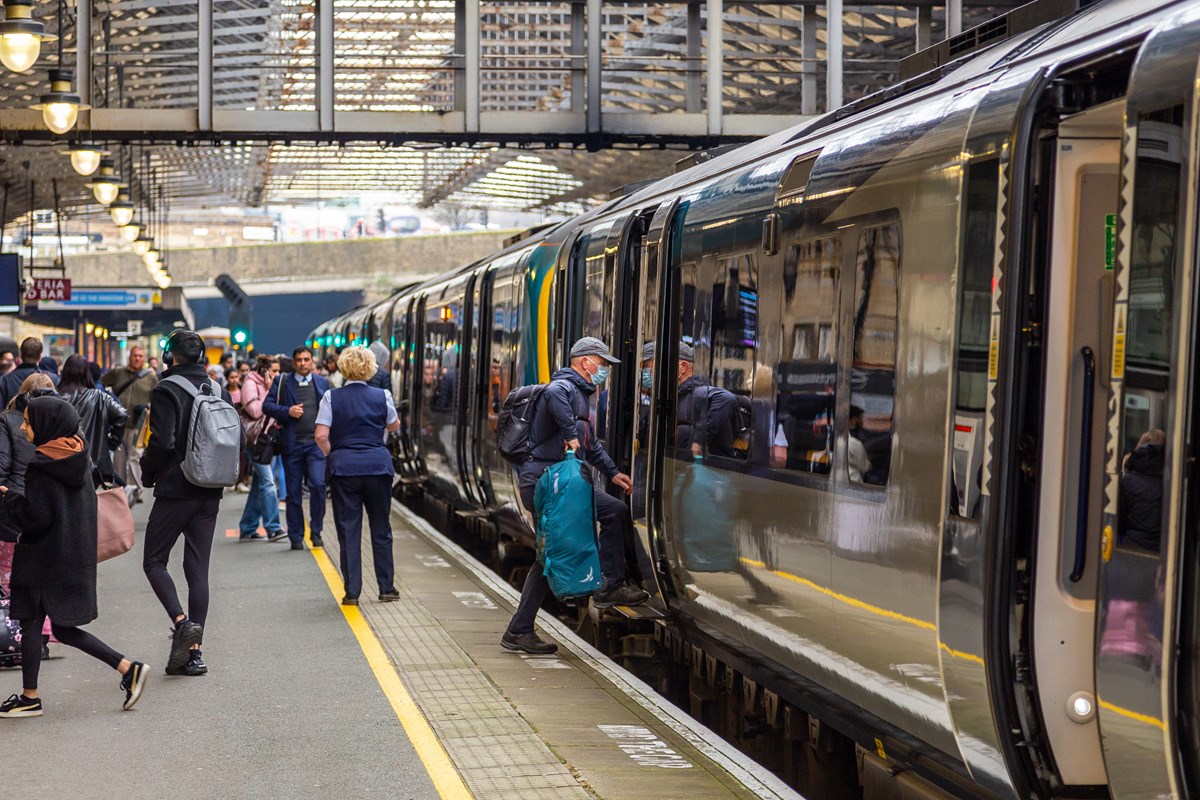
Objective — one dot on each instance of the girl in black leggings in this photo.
(54, 564)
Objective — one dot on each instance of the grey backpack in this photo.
(214, 437)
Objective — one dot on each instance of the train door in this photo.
(401, 376)
(419, 377)
(466, 323)
(1148, 673)
(477, 390)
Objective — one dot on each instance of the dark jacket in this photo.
(101, 424)
(54, 564)
(15, 451)
(170, 416)
(381, 379)
(278, 401)
(562, 415)
(10, 385)
(705, 417)
(1141, 498)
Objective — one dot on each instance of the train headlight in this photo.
(1081, 707)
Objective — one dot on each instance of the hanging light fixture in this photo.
(121, 209)
(131, 230)
(141, 245)
(151, 257)
(107, 184)
(85, 158)
(21, 36)
(60, 106)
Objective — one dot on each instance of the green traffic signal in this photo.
(240, 337)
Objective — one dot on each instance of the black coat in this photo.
(1141, 498)
(563, 414)
(170, 416)
(54, 564)
(10, 384)
(15, 451)
(101, 424)
(705, 417)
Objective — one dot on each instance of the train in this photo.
(983, 279)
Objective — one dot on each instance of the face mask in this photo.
(600, 376)
(647, 381)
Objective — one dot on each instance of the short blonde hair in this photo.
(36, 380)
(357, 364)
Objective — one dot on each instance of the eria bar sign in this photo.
(54, 289)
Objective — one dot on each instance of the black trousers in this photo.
(351, 494)
(615, 525)
(31, 647)
(195, 521)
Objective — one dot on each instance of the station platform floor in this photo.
(307, 698)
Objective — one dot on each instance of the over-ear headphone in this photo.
(173, 339)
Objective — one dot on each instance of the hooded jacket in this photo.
(1141, 498)
(562, 415)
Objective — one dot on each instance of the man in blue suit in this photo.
(293, 401)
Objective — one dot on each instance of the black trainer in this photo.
(195, 665)
(21, 706)
(389, 597)
(186, 634)
(277, 536)
(254, 537)
(623, 595)
(347, 600)
(132, 682)
(316, 541)
(297, 545)
(527, 643)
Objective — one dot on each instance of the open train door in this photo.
(1148, 627)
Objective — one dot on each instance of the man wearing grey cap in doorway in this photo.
(562, 421)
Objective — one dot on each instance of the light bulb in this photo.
(105, 192)
(20, 51)
(121, 210)
(60, 117)
(106, 185)
(130, 231)
(85, 162)
(150, 257)
(163, 281)
(141, 245)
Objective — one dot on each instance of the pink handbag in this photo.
(114, 524)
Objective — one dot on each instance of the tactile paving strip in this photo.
(497, 753)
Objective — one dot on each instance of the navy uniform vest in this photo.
(356, 434)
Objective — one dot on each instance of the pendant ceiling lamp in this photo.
(85, 158)
(121, 209)
(21, 36)
(60, 106)
(107, 184)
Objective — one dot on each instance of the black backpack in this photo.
(514, 422)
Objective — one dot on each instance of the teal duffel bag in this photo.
(566, 530)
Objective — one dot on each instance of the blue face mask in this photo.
(647, 380)
(600, 376)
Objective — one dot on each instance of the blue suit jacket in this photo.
(279, 400)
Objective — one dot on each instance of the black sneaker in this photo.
(195, 665)
(297, 545)
(277, 536)
(254, 537)
(186, 634)
(316, 541)
(527, 643)
(623, 595)
(21, 706)
(133, 682)
(389, 597)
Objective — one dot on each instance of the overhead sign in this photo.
(104, 299)
(42, 289)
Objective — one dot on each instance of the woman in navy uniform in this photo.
(350, 431)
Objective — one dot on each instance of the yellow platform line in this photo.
(445, 777)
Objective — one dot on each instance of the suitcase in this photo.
(566, 530)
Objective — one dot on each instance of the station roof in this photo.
(399, 55)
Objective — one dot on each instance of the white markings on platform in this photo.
(475, 599)
(544, 662)
(432, 561)
(644, 746)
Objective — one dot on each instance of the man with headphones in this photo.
(181, 508)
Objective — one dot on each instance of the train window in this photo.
(807, 375)
(971, 348)
(441, 354)
(1152, 258)
(734, 328)
(873, 372)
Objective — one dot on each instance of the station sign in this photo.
(105, 300)
(43, 289)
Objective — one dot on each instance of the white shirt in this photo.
(325, 410)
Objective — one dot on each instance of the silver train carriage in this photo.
(952, 311)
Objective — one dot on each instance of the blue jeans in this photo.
(263, 503)
(280, 482)
(304, 463)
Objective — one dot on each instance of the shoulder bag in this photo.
(114, 523)
(268, 436)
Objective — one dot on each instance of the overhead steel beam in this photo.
(716, 62)
(472, 63)
(83, 49)
(595, 41)
(834, 93)
(204, 58)
(325, 65)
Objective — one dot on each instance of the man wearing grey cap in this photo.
(704, 416)
(562, 420)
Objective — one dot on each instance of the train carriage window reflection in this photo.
(873, 373)
(974, 328)
(1148, 367)
(734, 328)
(807, 373)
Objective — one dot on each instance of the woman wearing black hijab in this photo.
(54, 566)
